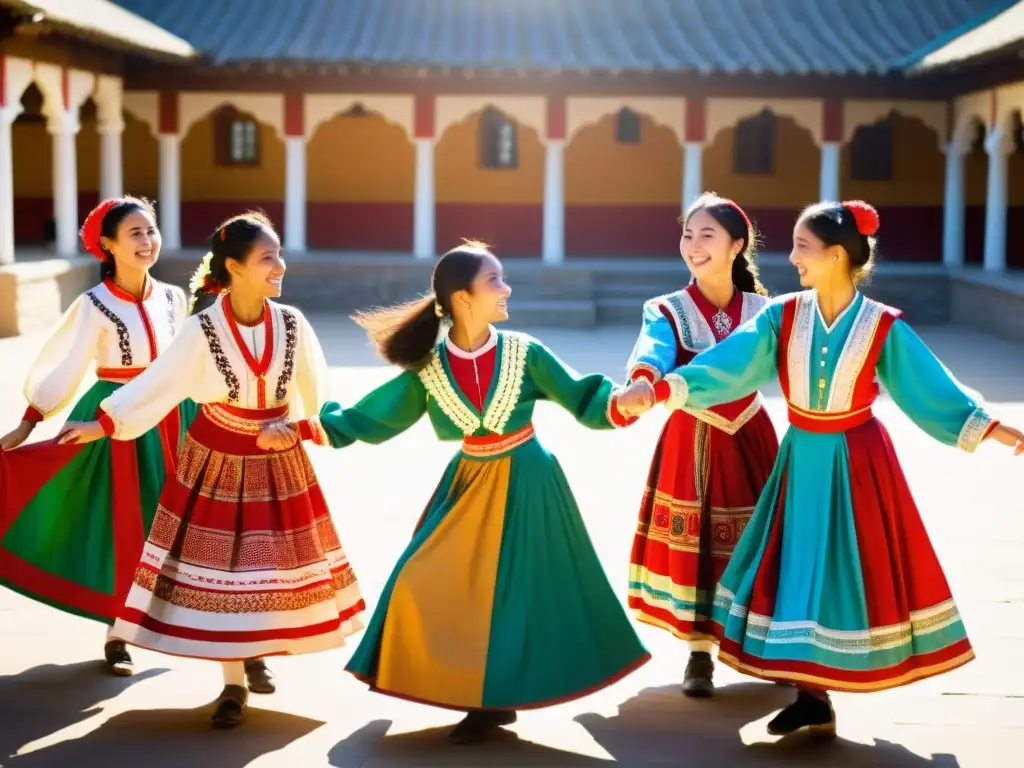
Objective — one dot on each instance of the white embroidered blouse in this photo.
(108, 329)
(215, 359)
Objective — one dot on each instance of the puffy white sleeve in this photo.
(312, 382)
(181, 373)
(180, 308)
(62, 363)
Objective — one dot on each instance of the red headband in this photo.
(90, 232)
(864, 215)
(740, 211)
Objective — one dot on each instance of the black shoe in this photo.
(480, 724)
(258, 677)
(810, 712)
(230, 705)
(117, 659)
(697, 679)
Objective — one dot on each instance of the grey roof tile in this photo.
(730, 36)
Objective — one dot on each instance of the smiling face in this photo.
(261, 273)
(707, 248)
(487, 297)
(137, 244)
(815, 262)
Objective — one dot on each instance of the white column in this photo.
(693, 170)
(424, 214)
(996, 202)
(295, 193)
(554, 202)
(7, 117)
(111, 175)
(828, 184)
(953, 208)
(63, 127)
(170, 190)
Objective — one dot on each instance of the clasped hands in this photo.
(636, 399)
(278, 436)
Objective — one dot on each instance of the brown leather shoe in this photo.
(230, 705)
(117, 659)
(259, 677)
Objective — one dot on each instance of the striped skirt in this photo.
(243, 559)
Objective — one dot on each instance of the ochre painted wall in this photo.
(33, 159)
(461, 179)
(202, 180)
(793, 184)
(918, 170)
(360, 159)
(140, 153)
(501, 207)
(601, 171)
(622, 199)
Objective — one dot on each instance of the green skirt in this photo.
(74, 518)
(499, 601)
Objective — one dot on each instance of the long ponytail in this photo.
(404, 333)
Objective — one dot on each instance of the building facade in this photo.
(579, 137)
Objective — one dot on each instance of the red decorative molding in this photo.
(556, 117)
(294, 114)
(696, 119)
(168, 112)
(423, 117)
(832, 120)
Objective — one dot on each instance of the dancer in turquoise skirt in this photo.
(499, 602)
(835, 585)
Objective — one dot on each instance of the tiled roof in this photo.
(106, 22)
(729, 36)
(1003, 30)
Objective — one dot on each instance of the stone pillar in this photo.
(832, 129)
(424, 244)
(553, 245)
(695, 130)
(693, 162)
(295, 172)
(7, 116)
(996, 201)
(109, 97)
(15, 75)
(828, 185)
(169, 203)
(63, 127)
(953, 207)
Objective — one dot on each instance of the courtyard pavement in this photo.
(57, 708)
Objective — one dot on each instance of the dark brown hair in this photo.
(737, 224)
(405, 333)
(112, 220)
(835, 224)
(233, 239)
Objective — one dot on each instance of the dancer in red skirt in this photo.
(710, 464)
(243, 559)
(835, 585)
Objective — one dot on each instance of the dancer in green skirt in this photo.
(499, 602)
(73, 518)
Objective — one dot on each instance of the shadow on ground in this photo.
(657, 727)
(51, 697)
(171, 738)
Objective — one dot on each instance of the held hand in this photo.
(16, 436)
(1010, 437)
(279, 436)
(80, 432)
(636, 399)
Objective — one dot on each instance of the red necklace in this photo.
(259, 367)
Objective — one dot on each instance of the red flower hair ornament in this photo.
(90, 231)
(864, 215)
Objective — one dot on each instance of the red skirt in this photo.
(243, 559)
(701, 490)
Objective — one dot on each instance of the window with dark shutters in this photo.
(753, 145)
(236, 138)
(627, 127)
(499, 140)
(871, 152)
